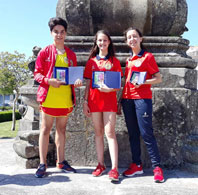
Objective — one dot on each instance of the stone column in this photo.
(174, 101)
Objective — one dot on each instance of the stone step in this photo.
(192, 140)
(172, 60)
(28, 151)
(190, 154)
(190, 167)
(32, 137)
(25, 150)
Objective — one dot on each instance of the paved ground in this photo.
(15, 180)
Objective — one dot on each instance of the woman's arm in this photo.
(86, 109)
(157, 78)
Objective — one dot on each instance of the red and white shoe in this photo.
(113, 175)
(100, 169)
(133, 170)
(158, 175)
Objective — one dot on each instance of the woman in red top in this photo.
(101, 103)
(137, 104)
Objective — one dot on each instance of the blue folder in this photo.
(68, 75)
(110, 78)
(138, 77)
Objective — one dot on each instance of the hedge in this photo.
(7, 116)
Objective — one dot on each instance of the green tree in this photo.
(14, 73)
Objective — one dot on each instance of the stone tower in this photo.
(175, 105)
(175, 100)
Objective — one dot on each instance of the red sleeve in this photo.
(39, 68)
(152, 65)
(88, 69)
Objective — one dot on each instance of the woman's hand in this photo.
(55, 83)
(136, 85)
(104, 88)
(86, 109)
(78, 83)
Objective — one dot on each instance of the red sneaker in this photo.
(113, 175)
(158, 175)
(133, 170)
(100, 169)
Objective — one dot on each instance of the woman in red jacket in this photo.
(56, 99)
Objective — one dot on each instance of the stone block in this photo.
(192, 140)
(190, 154)
(151, 17)
(25, 150)
(31, 114)
(172, 122)
(27, 125)
(27, 163)
(190, 167)
(178, 78)
(32, 137)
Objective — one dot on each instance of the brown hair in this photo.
(137, 30)
(95, 50)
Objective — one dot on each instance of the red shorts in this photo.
(57, 112)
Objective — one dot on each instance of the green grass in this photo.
(5, 129)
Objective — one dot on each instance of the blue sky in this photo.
(24, 24)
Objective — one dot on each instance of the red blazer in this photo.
(44, 68)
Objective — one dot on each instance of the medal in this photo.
(137, 63)
(108, 66)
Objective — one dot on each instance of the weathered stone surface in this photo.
(175, 112)
(27, 163)
(178, 78)
(76, 147)
(168, 51)
(25, 150)
(31, 114)
(193, 52)
(192, 140)
(190, 167)
(25, 124)
(28, 151)
(152, 17)
(190, 154)
(28, 93)
(32, 137)
(173, 120)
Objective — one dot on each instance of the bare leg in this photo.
(60, 137)
(46, 126)
(97, 118)
(109, 126)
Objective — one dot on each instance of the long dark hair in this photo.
(95, 50)
(139, 33)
